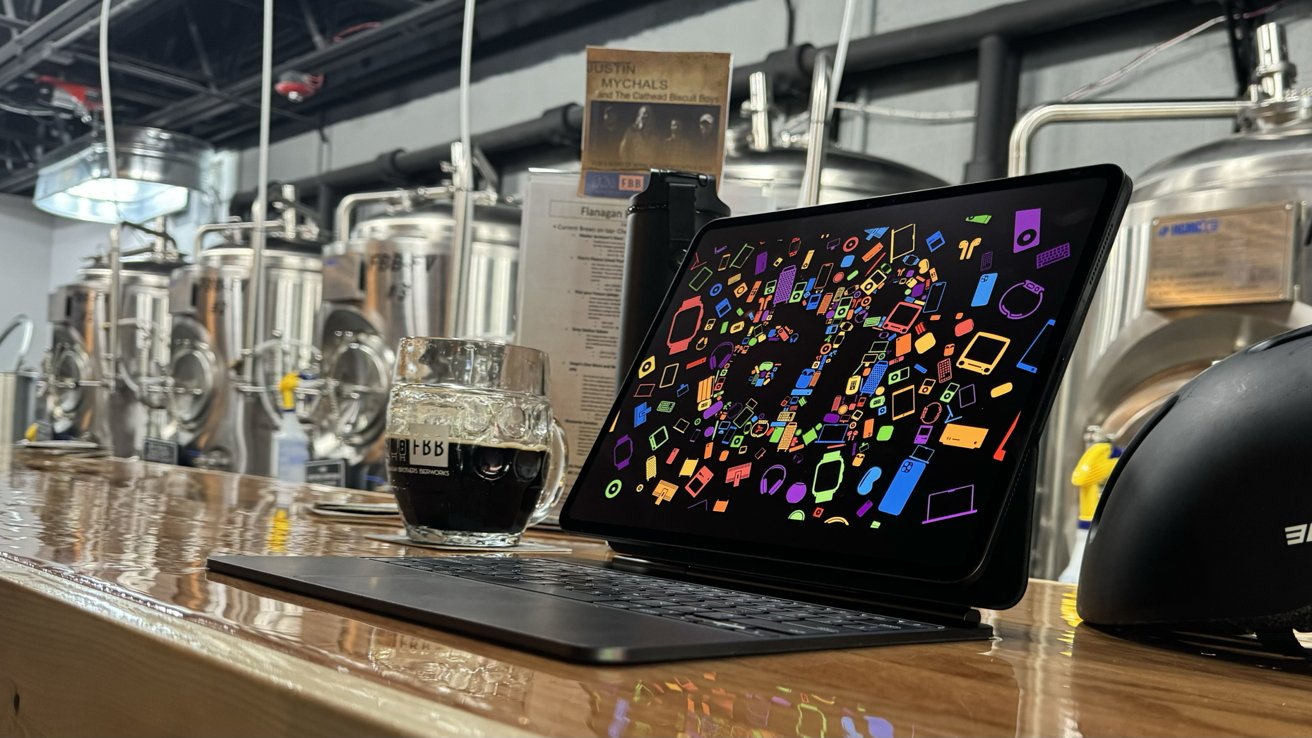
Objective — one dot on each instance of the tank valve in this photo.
(1091, 473)
(1275, 73)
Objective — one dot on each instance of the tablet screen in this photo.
(852, 385)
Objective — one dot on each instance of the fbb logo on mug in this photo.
(427, 452)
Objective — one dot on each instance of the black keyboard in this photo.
(715, 607)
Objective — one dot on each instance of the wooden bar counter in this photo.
(110, 625)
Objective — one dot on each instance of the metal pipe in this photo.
(462, 206)
(1275, 73)
(758, 103)
(824, 93)
(997, 88)
(1044, 115)
(25, 343)
(111, 310)
(111, 157)
(342, 218)
(840, 56)
(815, 136)
(287, 201)
(255, 318)
(462, 203)
(204, 230)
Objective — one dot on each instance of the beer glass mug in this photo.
(474, 454)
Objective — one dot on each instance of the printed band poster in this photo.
(652, 110)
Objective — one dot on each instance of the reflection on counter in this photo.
(696, 704)
(143, 532)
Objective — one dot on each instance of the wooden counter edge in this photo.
(78, 661)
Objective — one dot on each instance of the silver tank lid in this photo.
(785, 162)
(1275, 145)
(493, 224)
(278, 255)
(153, 272)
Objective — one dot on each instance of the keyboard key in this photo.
(732, 625)
(719, 615)
(869, 627)
(788, 628)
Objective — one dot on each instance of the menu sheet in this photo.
(571, 276)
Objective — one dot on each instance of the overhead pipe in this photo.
(997, 88)
(1031, 123)
(790, 68)
(558, 127)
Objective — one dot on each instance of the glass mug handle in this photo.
(557, 463)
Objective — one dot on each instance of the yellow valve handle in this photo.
(287, 385)
(1091, 473)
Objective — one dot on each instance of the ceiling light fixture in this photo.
(157, 172)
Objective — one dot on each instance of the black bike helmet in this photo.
(1206, 523)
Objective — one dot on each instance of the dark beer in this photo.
(454, 486)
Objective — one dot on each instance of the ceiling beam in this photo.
(406, 25)
(52, 32)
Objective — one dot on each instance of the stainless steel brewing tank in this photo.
(846, 175)
(394, 268)
(388, 281)
(1211, 257)
(78, 399)
(223, 420)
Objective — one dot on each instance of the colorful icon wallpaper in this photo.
(857, 383)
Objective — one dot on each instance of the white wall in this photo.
(24, 271)
(71, 243)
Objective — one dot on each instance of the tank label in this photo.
(331, 472)
(400, 262)
(1224, 257)
(159, 451)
